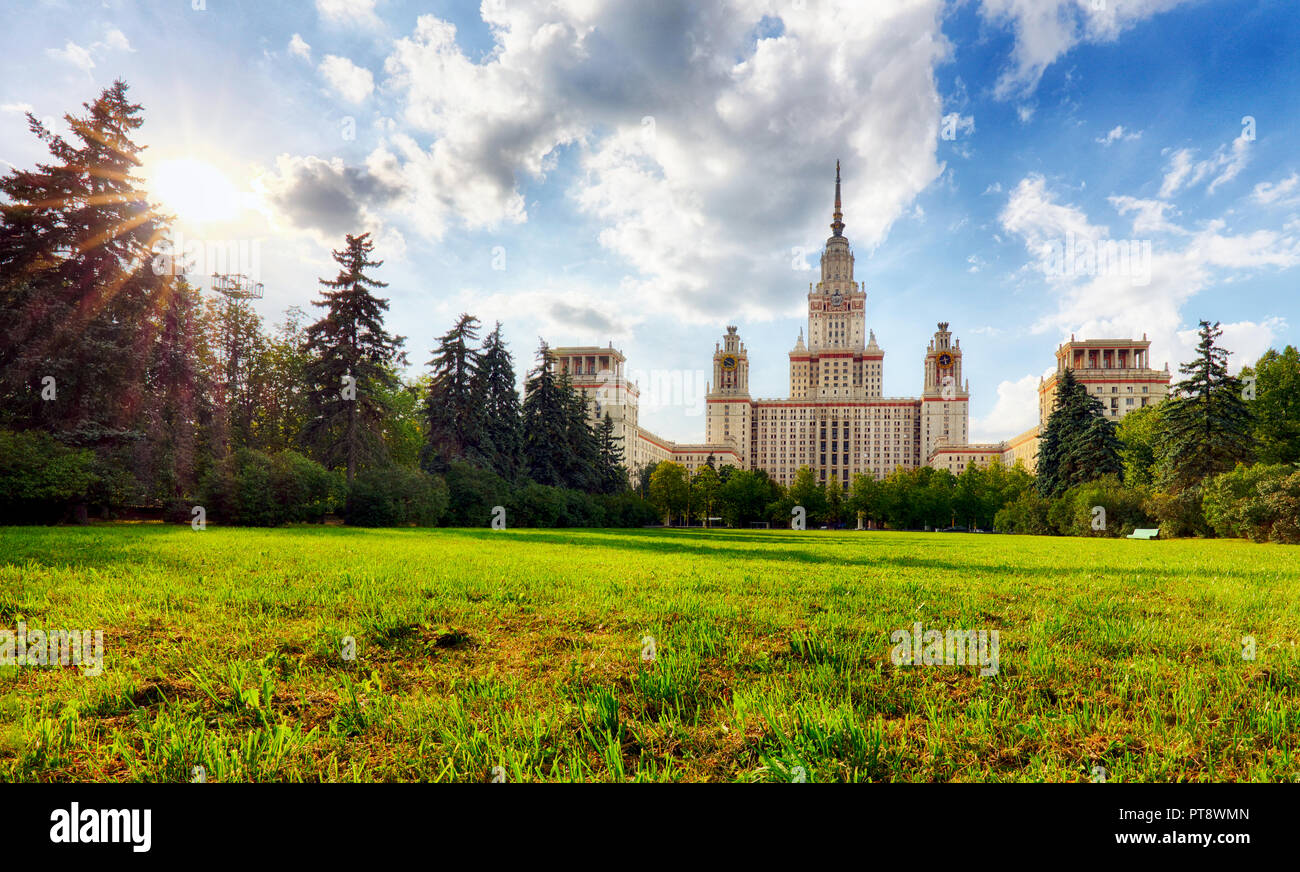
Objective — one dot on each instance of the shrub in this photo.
(254, 489)
(40, 477)
(1075, 512)
(396, 496)
(1233, 502)
(1179, 514)
(473, 493)
(1027, 514)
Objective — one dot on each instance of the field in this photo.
(523, 656)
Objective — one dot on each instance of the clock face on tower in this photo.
(729, 362)
(945, 360)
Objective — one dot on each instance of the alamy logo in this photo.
(56, 648)
(918, 647)
(91, 826)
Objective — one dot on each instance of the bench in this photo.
(1144, 534)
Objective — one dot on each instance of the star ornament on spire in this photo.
(837, 226)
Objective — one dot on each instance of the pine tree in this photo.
(78, 295)
(454, 408)
(503, 426)
(352, 361)
(1207, 424)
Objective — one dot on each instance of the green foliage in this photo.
(351, 369)
(670, 490)
(256, 489)
(1277, 405)
(1180, 513)
(473, 493)
(1122, 509)
(745, 495)
(454, 410)
(1257, 502)
(1028, 514)
(396, 496)
(1139, 439)
(1078, 442)
(1206, 425)
(40, 478)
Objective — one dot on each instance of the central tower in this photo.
(837, 362)
(837, 306)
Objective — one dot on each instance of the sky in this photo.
(643, 174)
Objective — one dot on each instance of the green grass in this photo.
(522, 650)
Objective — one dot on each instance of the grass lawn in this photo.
(523, 649)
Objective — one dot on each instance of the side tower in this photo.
(945, 406)
(729, 408)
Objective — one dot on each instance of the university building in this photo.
(835, 418)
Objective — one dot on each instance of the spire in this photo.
(837, 226)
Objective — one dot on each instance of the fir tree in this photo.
(454, 408)
(1079, 443)
(78, 294)
(546, 423)
(352, 362)
(613, 472)
(1207, 424)
(503, 426)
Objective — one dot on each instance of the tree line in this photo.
(123, 387)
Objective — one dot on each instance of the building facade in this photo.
(835, 418)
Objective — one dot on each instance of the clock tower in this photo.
(728, 416)
(945, 406)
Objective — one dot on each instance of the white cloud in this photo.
(1118, 133)
(349, 13)
(1047, 29)
(686, 153)
(1149, 215)
(84, 58)
(73, 54)
(1282, 193)
(1183, 172)
(1112, 303)
(298, 47)
(1014, 412)
(349, 81)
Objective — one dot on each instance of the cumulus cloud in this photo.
(1047, 29)
(690, 133)
(1014, 412)
(1111, 303)
(349, 81)
(325, 196)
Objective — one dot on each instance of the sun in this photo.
(194, 191)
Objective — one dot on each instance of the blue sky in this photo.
(589, 171)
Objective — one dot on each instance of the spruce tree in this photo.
(503, 426)
(78, 294)
(582, 465)
(454, 408)
(613, 472)
(546, 423)
(352, 361)
(1207, 424)
(1078, 443)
